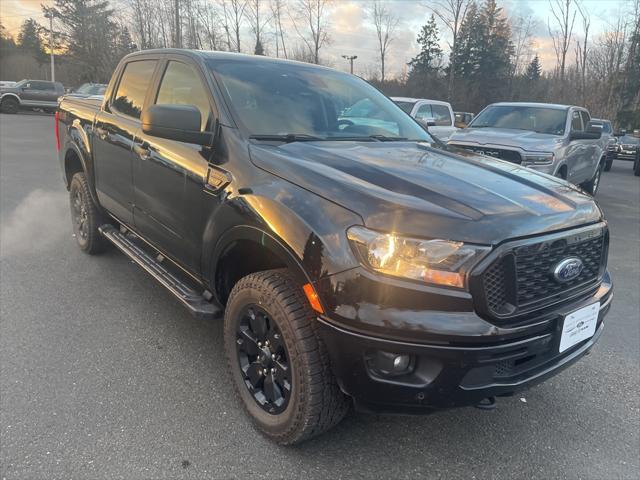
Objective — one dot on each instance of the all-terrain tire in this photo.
(593, 185)
(9, 105)
(636, 165)
(86, 216)
(608, 164)
(316, 403)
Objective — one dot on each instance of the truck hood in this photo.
(524, 139)
(415, 189)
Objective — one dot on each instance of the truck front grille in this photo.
(501, 153)
(521, 279)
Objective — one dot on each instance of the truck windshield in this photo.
(535, 119)
(280, 99)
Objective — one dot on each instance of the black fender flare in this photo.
(259, 236)
(72, 146)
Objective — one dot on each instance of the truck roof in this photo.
(410, 99)
(212, 54)
(535, 104)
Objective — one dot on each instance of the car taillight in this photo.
(56, 129)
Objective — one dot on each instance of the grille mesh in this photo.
(522, 279)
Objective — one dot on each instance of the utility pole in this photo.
(49, 15)
(178, 41)
(351, 58)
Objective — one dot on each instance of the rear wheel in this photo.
(85, 216)
(278, 362)
(592, 185)
(9, 105)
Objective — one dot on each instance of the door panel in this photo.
(114, 135)
(112, 145)
(170, 176)
(575, 149)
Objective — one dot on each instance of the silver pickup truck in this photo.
(558, 140)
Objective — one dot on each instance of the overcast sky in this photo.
(351, 31)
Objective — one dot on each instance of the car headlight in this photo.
(538, 158)
(439, 262)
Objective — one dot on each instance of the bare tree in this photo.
(276, 12)
(386, 24)
(565, 16)
(233, 12)
(451, 13)
(258, 21)
(582, 51)
(311, 25)
(522, 29)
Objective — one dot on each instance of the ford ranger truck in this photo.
(559, 140)
(354, 259)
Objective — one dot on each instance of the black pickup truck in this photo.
(355, 259)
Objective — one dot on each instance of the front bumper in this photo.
(631, 156)
(454, 373)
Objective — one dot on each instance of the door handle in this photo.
(142, 150)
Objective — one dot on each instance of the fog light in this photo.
(389, 364)
(400, 362)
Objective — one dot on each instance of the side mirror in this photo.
(175, 122)
(426, 122)
(579, 135)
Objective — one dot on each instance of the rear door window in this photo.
(181, 85)
(576, 121)
(134, 83)
(441, 115)
(585, 118)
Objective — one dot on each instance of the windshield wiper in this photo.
(288, 138)
(385, 138)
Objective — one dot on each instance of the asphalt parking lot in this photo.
(104, 375)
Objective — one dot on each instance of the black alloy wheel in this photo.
(80, 216)
(263, 359)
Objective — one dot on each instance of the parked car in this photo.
(357, 261)
(559, 140)
(608, 139)
(30, 94)
(463, 119)
(625, 147)
(437, 116)
(88, 90)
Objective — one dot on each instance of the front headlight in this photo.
(439, 262)
(538, 158)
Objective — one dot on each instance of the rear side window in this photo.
(585, 118)
(181, 85)
(576, 122)
(441, 115)
(135, 80)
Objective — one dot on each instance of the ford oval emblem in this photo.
(568, 269)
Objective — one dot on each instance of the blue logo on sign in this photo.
(568, 269)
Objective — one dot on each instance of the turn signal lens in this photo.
(313, 298)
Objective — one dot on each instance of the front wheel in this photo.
(636, 165)
(592, 185)
(607, 164)
(279, 364)
(9, 105)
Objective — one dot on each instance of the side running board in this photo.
(195, 302)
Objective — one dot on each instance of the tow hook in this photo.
(488, 403)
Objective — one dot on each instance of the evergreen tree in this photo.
(430, 55)
(90, 35)
(29, 40)
(534, 69)
(6, 40)
(484, 54)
